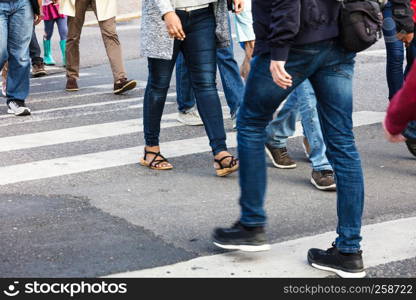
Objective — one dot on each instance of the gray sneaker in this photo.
(280, 158)
(190, 117)
(17, 107)
(324, 180)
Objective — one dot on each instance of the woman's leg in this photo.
(160, 73)
(62, 28)
(200, 56)
(200, 52)
(49, 24)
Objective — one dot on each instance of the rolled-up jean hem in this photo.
(152, 143)
(324, 168)
(253, 224)
(348, 249)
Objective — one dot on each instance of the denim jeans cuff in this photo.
(253, 224)
(323, 168)
(348, 249)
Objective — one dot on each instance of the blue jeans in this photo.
(199, 50)
(230, 77)
(301, 102)
(395, 58)
(16, 27)
(330, 70)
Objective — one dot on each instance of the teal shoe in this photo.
(47, 58)
(62, 44)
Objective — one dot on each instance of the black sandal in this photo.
(154, 164)
(226, 170)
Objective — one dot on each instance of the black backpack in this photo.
(361, 23)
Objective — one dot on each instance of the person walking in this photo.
(301, 103)
(195, 28)
(17, 18)
(398, 30)
(297, 40)
(51, 17)
(231, 82)
(105, 11)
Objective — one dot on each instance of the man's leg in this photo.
(75, 25)
(230, 77)
(333, 87)
(322, 174)
(279, 130)
(185, 97)
(38, 66)
(34, 49)
(20, 31)
(114, 53)
(261, 99)
(395, 53)
(184, 93)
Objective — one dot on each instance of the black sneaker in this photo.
(241, 238)
(345, 265)
(17, 107)
(411, 145)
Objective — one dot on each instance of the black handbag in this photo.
(361, 24)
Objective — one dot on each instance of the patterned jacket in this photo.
(155, 40)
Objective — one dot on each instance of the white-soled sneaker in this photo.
(17, 107)
(190, 117)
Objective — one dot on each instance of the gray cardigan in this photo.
(155, 40)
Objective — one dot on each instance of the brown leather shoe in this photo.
(123, 85)
(324, 180)
(38, 70)
(280, 157)
(71, 85)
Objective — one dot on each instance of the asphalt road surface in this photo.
(75, 202)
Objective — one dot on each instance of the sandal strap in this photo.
(150, 152)
(232, 163)
(155, 162)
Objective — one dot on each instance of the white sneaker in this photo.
(18, 108)
(190, 117)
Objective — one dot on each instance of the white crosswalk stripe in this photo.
(114, 158)
(288, 259)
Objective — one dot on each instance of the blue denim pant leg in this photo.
(330, 70)
(16, 23)
(230, 77)
(395, 58)
(312, 127)
(284, 125)
(232, 82)
(185, 96)
(300, 104)
(333, 87)
(395, 53)
(262, 97)
(199, 50)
